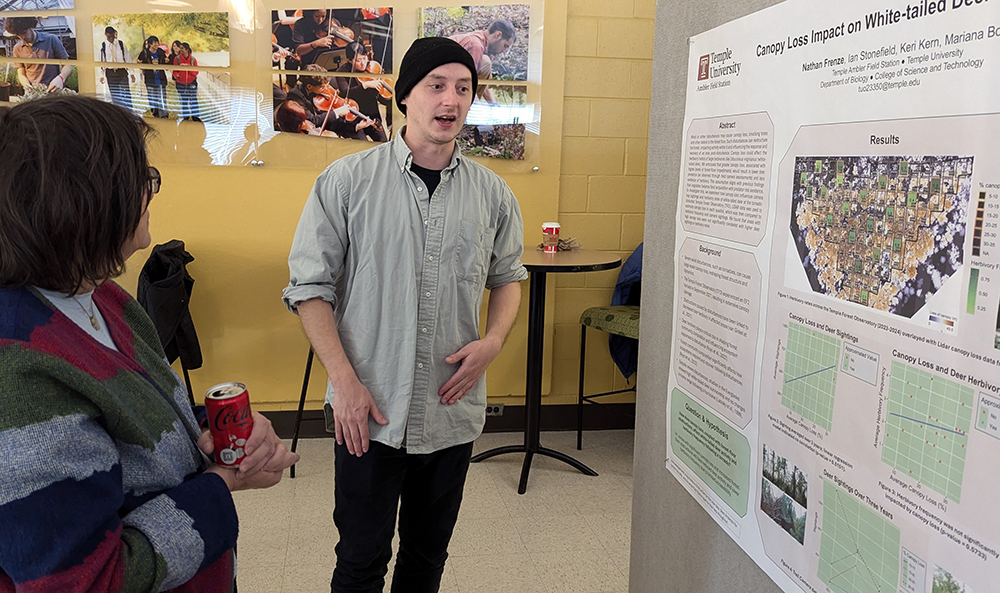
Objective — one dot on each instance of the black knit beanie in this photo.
(425, 55)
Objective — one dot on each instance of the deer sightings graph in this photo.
(859, 550)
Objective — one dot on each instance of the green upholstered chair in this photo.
(622, 320)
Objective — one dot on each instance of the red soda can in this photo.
(229, 420)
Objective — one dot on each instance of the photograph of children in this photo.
(186, 95)
(37, 38)
(496, 129)
(29, 5)
(320, 104)
(496, 36)
(196, 38)
(321, 36)
(122, 37)
(11, 89)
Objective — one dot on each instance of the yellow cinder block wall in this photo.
(602, 195)
(601, 201)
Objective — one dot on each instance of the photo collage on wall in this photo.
(330, 72)
(165, 65)
(333, 68)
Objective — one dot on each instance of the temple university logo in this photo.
(703, 67)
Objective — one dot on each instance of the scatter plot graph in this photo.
(859, 550)
(927, 428)
(810, 379)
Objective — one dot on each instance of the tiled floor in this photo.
(567, 533)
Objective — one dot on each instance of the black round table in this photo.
(539, 264)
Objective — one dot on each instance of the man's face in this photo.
(27, 37)
(319, 89)
(437, 105)
(319, 16)
(498, 44)
(111, 35)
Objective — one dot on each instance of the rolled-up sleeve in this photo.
(316, 260)
(505, 261)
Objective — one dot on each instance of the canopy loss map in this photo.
(883, 232)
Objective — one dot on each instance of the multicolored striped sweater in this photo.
(101, 483)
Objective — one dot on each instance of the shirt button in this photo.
(425, 223)
(420, 188)
(423, 329)
(430, 258)
(420, 365)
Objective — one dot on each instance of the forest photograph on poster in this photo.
(784, 494)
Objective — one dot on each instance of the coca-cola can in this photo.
(230, 421)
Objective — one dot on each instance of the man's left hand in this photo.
(56, 84)
(474, 358)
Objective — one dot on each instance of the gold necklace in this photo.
(94, 323)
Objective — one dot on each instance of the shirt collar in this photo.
(404, 156)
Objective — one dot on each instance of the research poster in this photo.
(834, 395)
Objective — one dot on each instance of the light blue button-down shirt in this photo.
(405, 273)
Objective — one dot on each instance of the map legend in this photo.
(914, 573)
(973, 288)
(977, 233)
(988, 416)
(861, 363)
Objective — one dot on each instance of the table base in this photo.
(528, 454)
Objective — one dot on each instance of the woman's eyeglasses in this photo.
(154, 181)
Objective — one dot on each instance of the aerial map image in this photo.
(881, 231)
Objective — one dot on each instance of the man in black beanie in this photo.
(393, 250)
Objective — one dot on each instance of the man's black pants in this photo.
(367, 489)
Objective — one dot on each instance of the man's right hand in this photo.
(352, 404)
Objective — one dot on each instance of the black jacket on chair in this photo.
(164, 292)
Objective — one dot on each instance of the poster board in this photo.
(836, 282)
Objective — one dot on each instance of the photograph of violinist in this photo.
(283, 56)
(320, 36)
(372, 94)
(316, 107)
